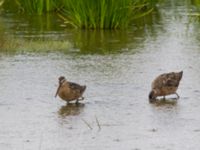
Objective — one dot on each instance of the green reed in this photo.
(91, 14)
(36, 6)
(104, 14)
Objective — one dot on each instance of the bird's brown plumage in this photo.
(165, 84)
(69, 91)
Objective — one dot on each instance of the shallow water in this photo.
(118, 79)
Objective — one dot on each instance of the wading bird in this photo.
(69, 91)
(165, 84)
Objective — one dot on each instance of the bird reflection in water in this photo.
(71, 109)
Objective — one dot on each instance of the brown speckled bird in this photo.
(69, 91)
(165, 84)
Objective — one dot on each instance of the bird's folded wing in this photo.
(173, 82)
(74, 86)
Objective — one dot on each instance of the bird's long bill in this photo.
(58, 90)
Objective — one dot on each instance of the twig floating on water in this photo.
(87, 124)
(97, 121)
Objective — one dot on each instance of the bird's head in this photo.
(61, 80)
(152, 96)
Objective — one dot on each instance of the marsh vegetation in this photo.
(88, 14)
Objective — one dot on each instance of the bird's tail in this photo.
(180, 75)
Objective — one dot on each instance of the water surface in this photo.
(117, 67)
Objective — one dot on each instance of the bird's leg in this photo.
(164, 97)
(177, 95)
(82, 98)
(77, 101)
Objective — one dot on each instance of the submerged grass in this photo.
(196, 9)
(196, 3)
(194, 13)
(20, 45)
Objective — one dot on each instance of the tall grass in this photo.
(104, 14)
(36, 6)
(98, 13)
(91, 14)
